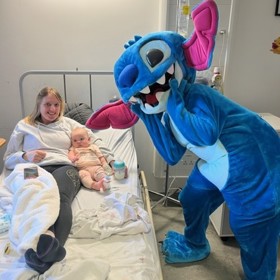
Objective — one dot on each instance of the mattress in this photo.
(112, 236)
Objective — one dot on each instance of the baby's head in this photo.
(80, 138)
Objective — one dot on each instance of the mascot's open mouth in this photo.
(152, 94)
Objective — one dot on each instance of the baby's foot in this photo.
(103, 184)
(97, 185)
(106, 183)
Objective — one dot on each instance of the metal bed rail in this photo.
(147, 204)
(63, 74)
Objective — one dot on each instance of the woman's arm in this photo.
(14, 152)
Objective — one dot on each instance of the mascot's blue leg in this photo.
(199, 199)
(258, 246)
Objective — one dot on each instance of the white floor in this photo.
(223, 262)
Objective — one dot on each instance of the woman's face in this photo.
(49, 109)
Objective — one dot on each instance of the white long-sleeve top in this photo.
(53, 138)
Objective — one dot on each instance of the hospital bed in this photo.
(112, 236)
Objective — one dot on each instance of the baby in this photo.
(92, 165)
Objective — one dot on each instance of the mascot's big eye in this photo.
(154, 53)
(154, 57)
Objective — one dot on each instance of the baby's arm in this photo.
(107, 168)
(72, 155)
(103, 160)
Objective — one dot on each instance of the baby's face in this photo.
(80, 140)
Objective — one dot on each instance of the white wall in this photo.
(253, 77)
(65, 34)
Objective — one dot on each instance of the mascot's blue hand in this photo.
(136, 109)
(175, 101)
(178, 90)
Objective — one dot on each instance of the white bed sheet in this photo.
(128, 251)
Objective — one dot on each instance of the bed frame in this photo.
(92, 75)
(63, 74)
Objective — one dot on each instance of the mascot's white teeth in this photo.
(148, 107)
(171, 69)
(146, 90)
(133, 100)
(152, 95)
(161, 80)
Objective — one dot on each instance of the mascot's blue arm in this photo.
(161, 135)
(192, 113)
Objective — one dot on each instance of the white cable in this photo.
(222, 32)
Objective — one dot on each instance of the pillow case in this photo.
(79, 112)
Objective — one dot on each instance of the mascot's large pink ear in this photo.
(198, 49)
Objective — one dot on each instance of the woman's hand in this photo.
(34, 156)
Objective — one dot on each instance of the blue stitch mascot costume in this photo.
(239, 153)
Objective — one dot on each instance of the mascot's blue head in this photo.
(147, 66)
(143, 71)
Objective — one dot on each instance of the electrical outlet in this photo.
(184, 167)
(181, 169)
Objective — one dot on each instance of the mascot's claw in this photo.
(176, 250)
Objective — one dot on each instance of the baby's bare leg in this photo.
(94, 178)
(86, 178)
(103, 181)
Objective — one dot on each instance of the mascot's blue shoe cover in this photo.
(176, 250)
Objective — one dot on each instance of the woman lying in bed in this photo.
(43, 138)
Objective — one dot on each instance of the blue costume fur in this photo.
(239, 153)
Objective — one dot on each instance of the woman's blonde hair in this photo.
(35, 116)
